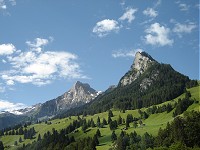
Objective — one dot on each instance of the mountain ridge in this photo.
(79, 94)
(148, 82)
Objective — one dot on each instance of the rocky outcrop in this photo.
(141, 63)
(79, 94)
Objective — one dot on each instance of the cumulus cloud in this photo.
(40, 67)
(104, 27)
(37, 44)
(122, 53)
(184, 28)
(7, 49)
(128, 15)
(158, 35)
(150, 12)
(10, 106)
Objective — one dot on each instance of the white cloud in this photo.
(158, 35)
(7, 49)
(9, 106)
(4, 61)
(184, 7)
(10, 82)
(128, 15)
(184, 28)
(104, 27)
(41, 68)
(150, 12)
(38, 43)
(4, 3)
(122, 53)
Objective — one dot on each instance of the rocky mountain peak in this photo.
(140, 64)
(141, 61)
(79, 94)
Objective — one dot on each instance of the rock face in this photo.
(79, 94)
(141, 63)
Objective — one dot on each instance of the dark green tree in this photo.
(110, 113)
(98, 133)
(1, 145)
(95, 140)
(98, 122)
(113, 136)
(39, 137)
(109, 119)
(92, 123)
(113, 125)
(20, 139)
(104, 122)
(119, 120)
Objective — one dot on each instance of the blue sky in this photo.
(45, 46)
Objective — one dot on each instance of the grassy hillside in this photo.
(152, 124)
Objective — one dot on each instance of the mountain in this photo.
(141, 63)
(147, 83)
(79, 94)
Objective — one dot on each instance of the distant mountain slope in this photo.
(79, 94)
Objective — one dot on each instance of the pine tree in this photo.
(113, 136)
(20, 139)
(98, 133)
(98, 122)
(95, 139)
(1, 145)
(92, 123)
(110, 113)
(39, 137)
(119, 120)
(104, 122)
(109, 119)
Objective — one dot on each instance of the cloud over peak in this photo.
(123, 53)
(158, 35)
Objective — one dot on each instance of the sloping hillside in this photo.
(150, 125)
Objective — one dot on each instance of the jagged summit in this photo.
(79, 94)
(85, 86)
(140, 64)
